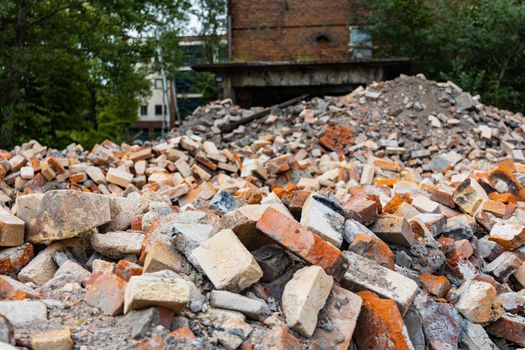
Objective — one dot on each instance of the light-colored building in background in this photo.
(153, 113)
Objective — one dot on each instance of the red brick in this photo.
(299, 240)
(509, 327)
(107, 293)
(366, 209)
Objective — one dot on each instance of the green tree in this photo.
(74, 71)
(479, 44)
(213, 19)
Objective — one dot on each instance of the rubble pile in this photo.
(410, 117)
(337, 226)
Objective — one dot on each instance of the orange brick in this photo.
(443, 196)
(520, 168)
(11, 289)
(396, 201)
(12, 260)
(508, 164)
(56, 165)
(504, 174)
(206, 162)
(387, 165)
(380, 325)
(507, 198)
(374, 249)
(299, 240)
(182, 333)
(385, 182)
(366, 208)
(463, 248)
(107, 293)
(497, 208)
(126, 269)
(79, 177)
(250, 196)
(436, 285)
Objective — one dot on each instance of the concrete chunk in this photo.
(425, 205)
(43, 268)
(117, 244)
(254, 309)
(395, 230)
(20, 312)
(476, 338)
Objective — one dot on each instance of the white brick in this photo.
(323, 220)
(227, 263)
(304, 296)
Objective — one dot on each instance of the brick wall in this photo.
(291, 30)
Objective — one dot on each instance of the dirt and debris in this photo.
(390, 218)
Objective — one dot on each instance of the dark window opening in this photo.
(144, 110)
(323, 39)
(158, 109)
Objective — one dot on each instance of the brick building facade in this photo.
(280, 49)
(291, 30)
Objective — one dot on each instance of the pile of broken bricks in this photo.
(330, 241)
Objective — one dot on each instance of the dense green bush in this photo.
(69, 68)
(479, 44)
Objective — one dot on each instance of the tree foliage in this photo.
(74, 71)
(479, 44)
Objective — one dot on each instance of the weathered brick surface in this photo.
(288, 31)
(299, 240)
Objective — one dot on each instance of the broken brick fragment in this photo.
(380, 325)
(106, 292)
(125, 269)
(12, 260)
(436, 285)
(374, 249)
(11, 289)
(299, 240)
